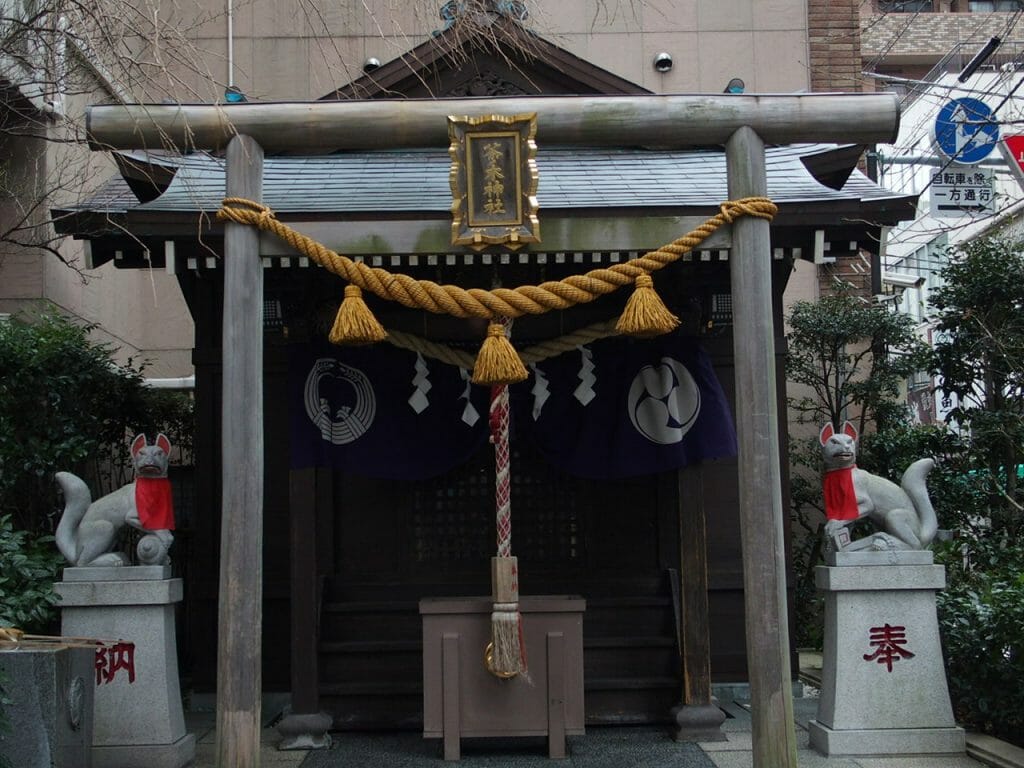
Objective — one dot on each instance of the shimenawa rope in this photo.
(644, 315)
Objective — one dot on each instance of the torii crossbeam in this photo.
(743, 123)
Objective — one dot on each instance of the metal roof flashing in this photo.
(413, 184)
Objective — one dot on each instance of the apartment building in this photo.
(932, 53)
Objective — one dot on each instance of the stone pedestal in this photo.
(698, 722)
(883, 683)
(138, 716)
(50, 707)
(305, 731)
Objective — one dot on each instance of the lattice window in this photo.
(721, 308)
(453, 515)
(546, 526)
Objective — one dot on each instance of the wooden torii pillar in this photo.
(743, 123)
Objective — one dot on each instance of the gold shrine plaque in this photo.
(494, 180)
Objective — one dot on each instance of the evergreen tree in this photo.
(979, 359)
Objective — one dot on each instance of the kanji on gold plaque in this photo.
(494, 180)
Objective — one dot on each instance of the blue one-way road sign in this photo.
(966, 130)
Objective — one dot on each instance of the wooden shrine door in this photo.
(614, 543)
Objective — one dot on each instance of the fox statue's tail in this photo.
(915, 486)
(76, 501)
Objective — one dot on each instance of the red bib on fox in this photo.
(154, 504)
(840, 498)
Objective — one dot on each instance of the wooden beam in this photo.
(760, 484)
(240, 614)
(561, 233)
(697, 718)
(305, 591)
(664, 121)
(693, 571)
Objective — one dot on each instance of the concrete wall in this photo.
(142, 315)
(288, 51)
(22, 170)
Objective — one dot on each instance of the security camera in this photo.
(902, 280)
(663, 62)
(371, 64)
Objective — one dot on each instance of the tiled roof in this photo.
(417, 181)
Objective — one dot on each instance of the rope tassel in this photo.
(355, 323)
(506, 656)
(498, 362)
(645, 313)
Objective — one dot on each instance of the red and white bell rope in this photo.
(502, 479)
(507, 654)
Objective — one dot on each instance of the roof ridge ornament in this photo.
(512, 9)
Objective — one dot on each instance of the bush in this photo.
(981, 611)
(28, 567)
(61, 397)
(957, 491)
(981, 618)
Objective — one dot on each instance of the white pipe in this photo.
(231, 46)
(933, 160)
(180, 382)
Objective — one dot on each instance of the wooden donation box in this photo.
(461, 698)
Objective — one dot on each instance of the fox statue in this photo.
(89, 530)
(903, 513)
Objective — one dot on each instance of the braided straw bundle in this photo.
(645, 313)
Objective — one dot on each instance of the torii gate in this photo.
(743, 123)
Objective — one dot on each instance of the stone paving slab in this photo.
(601, 747)
(635, 747)
(736, 751)
(994, 752)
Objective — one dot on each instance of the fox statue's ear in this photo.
(138, 444)
(826, 432)
(850, 430)
(163, 443)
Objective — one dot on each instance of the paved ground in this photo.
(600, 748)
(635, 747)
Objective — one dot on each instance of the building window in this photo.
(985, 6)
(905, 6)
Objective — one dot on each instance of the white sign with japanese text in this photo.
(960, 190)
